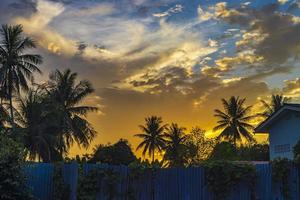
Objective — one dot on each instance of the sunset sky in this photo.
(171, 58)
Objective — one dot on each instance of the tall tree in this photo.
(152, 136)
(17, 66)
(234, 121)
(199, 146)
(277, 101)
(175, 145)
(38, 125)
(67, 96)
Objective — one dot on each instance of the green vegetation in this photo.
(281, 169)
(17, 66)
(153, 137)
(176, 150)
(61, 190)
(90, 184)
(234, 121)
(119, 153)
(12, 182)
(42, 121)
(223, 176)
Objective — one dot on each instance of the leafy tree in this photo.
(234, 121)
(224, 151)
(12, 181)
(277, 101)
(176, 150)
(254, 152)
(66, 95)
(153, 137)
(119, 153)
(199, 146)
(17, 67)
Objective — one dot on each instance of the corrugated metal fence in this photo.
(166, 184)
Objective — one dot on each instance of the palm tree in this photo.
(175, 145)
(17, 67)
(277, 101)
(37, 125)
(67, 96)
(153, 137)
(234, 121)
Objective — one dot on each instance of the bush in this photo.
(104, 180)
(296, 149)
(61, 190)
(223, 176)
(224, 151)
(12, 179)
(281, 169)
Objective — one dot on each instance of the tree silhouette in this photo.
(234, 121)
(175, 145)
(37, 125)
(277, 101)
(17, 67)
(119, 153)
(152, 136)
(66, 95)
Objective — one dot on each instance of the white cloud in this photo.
(204, 15)
(176, 9)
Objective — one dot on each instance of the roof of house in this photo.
(264, 126)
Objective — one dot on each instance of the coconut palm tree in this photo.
(175, 145)
(37, 125)
(234, 121)
(67, 96)
(152, 136)
(277, 101)
(17, 66)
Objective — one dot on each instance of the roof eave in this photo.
(264, 126)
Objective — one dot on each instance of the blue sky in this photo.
(175, 59)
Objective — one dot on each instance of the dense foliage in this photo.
(199, 147)
(61, 190)
(281, 169)
(103, 180)
(223, 176)
(12, 181)
(119, 153)
(250, 152)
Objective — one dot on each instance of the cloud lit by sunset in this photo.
(171, 58)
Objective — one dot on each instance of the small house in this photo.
(283, 128)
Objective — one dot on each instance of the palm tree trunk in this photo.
(153, 157)
(11, 108)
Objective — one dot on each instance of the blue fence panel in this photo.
(164, 184)
(70, 175)
(39, 180)
(264, 182)
(141, 187)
